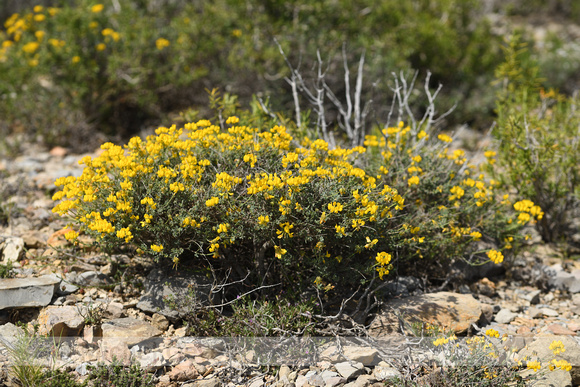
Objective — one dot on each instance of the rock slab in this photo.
(27, 292)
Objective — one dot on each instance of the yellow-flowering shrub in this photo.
(261, 201)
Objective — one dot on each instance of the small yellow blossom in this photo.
(444, 138)
(161, 43)
(212, 202)
(495, 256)
(157, 248)
(97, 8)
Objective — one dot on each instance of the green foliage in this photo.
(58, 378)
(247, 317)
(6, 270)
(72, 69)
(24, 352)
(116, 374)
(539, 142)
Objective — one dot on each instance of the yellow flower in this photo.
(286, 227)
(534, 365)
(39, 35)
(97, 8)
(161, 43)
(279, 252)
(232, 120)
(557, 347)
(157, 248)
(212, 202)
(101, 47)
(492, 333)
(340, 230)
(334, 207)
(370, 243)
(413, 180)
(444, 138)
(237, 33)
(223, 227)
(30, 48)
(39, 18)
(383, 258)
(263, 220)
(38, 8)
(495, 256)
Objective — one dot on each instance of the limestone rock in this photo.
(60, 321)
(451, 311)
(129, 330)
(349, 370)
(505, 316)
(12, 248)
(365, 355)
(26, 292)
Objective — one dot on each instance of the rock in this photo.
(558, 329)
(26, 292)
(562, 280)
(401, 286)
(160, 322)
(60, 321)
(117, 351)
(385, 372)
(365, 355)
(258, 382)
(505, 316)
(93, 278)
(152, 361)
(349, 370)
(540, 349)
(12, 248)
(63, 288)
(161, 284)
(34, 239)
(9, 333)
(114, 310)
(486, 287)
(213, 382)
(283, 372)
(549, 312)
(532, 296)
(129, 330)
(451, 311)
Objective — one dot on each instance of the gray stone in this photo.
(12, 249)
(152, 361)
(129, 330)
(349, 370)
(161, 284)
(9, 332)
(505, 316)
(549, 312)
(93, 278)
(562, 280)
(533, 297)
(314, 379)
(63, 288)
(26, 292)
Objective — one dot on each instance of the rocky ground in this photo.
(536, 302)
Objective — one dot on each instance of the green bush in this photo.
(116, 374)
(539, 142)
(288, 211)
(71, 69)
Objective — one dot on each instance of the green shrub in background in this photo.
(119, 66)
(539, 142)
(290, 211)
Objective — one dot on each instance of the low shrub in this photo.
(289, 212)
(539, 142)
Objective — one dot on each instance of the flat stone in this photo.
(26, 292)
(160, 322)
(558, 329)
(129, 330)
(505, 316)
(64, 287)
(451, 311)
(549, 312)
(12, 248)
(60, 321)
(365, 355)
(349, 370)
(213, 382)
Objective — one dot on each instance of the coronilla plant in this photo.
(290, 211)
